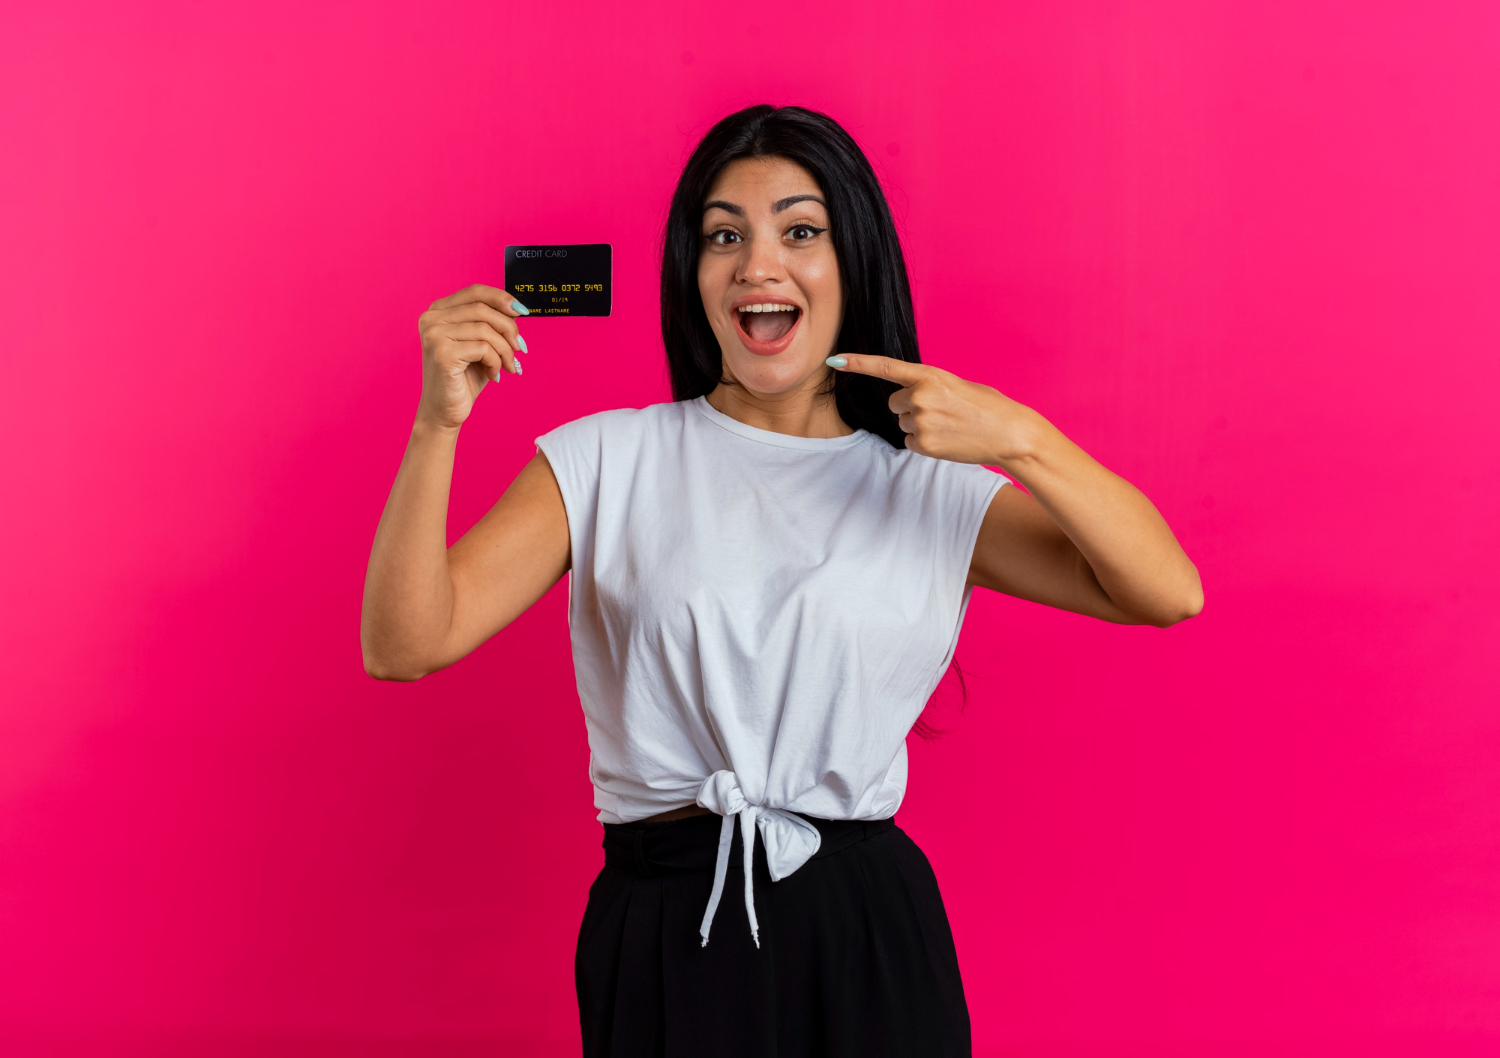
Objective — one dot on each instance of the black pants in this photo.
(856, 955)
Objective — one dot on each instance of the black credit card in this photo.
(560, 280)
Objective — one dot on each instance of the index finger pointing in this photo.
(899, 371)
(492, 296)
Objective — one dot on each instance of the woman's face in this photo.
(768, 274)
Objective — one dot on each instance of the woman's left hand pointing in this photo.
(948, 417)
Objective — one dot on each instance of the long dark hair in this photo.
(877, 297)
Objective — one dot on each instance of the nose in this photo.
(761, 262)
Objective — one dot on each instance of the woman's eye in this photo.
(803, 232)
(723, 237)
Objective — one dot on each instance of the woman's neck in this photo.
(801, 412)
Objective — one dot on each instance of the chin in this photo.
(767, 375)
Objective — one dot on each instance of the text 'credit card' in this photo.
(571, 280)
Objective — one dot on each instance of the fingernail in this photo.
(522, 343)
(518, 307)
(519, 369)
(836, 361)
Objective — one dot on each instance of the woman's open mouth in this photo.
(767, 327)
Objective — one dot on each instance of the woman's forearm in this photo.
(1127, 543)
(408, 601)
(1130, 551)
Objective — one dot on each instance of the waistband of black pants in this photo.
(654, 849)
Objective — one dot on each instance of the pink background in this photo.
(1246, 254)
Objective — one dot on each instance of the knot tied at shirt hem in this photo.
(789, 840)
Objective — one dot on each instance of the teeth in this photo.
(776, 307)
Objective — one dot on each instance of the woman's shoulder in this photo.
(618, 425)
(904, 462)
(934, 484)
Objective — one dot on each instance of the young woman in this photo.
(768, 577)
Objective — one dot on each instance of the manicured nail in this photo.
(522, 343)
(836, 361)
(519, 369)
(516, 306)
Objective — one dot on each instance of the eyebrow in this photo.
(781, 204)
(776, 207)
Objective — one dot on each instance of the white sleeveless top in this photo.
(757, 619)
